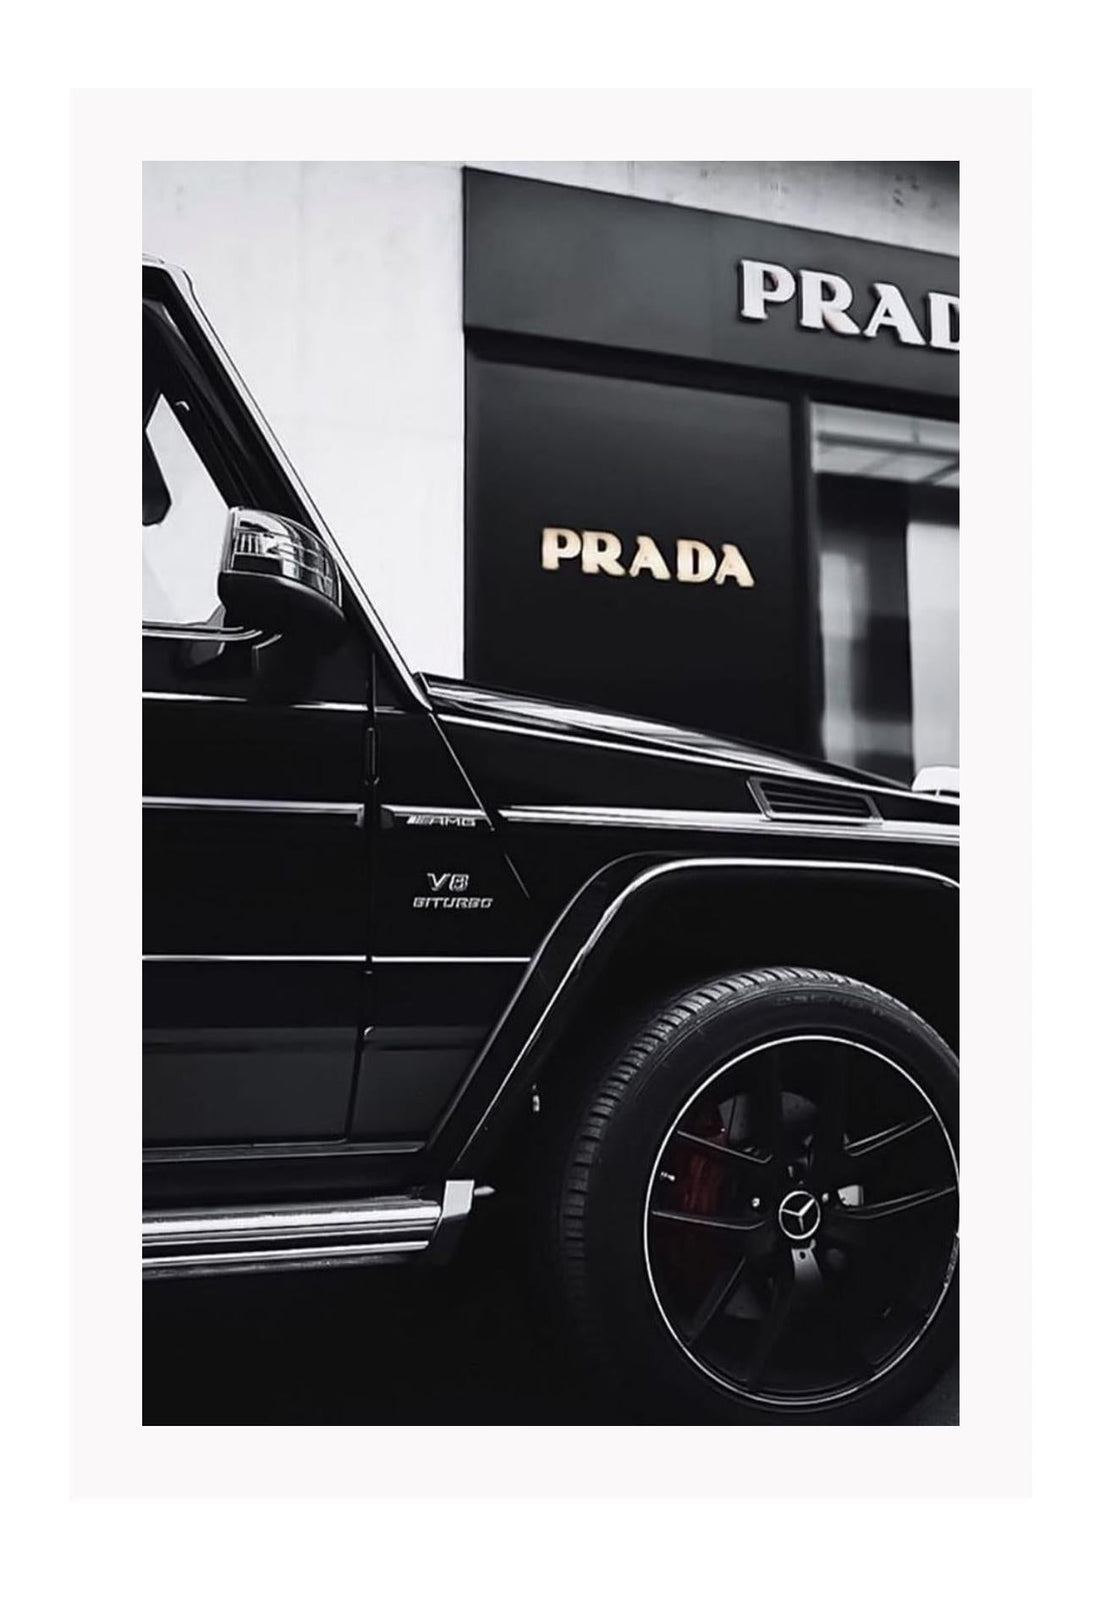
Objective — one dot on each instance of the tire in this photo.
(755, 1207)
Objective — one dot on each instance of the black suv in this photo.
(688, 1006)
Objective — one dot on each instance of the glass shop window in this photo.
(887, 494)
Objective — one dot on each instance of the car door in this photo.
(254, 797)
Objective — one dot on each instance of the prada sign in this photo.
(583, 267)
(824, 302)
(602, 553)
(633, 544)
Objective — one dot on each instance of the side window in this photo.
(183, 511)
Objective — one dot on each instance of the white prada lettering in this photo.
(761, 284)
(893, 311)
(943, 321)
(823, 301)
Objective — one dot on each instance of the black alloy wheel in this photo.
(801, 1220)
(760, 1207)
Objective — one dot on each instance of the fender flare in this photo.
(570, 954)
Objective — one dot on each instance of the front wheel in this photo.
(756, 1216)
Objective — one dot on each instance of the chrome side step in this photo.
(296, 1237)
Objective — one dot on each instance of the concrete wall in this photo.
(337, 287)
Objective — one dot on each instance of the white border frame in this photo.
(989, 1454)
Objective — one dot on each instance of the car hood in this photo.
(636, 759)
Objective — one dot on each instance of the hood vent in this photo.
(805, 799)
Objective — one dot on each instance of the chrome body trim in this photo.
(254, 957)
(242, 700)
(161, 1153)
(672, 818)
(314, 957)
(657, 871)
(209, 803)
(256, 1223)
(330, 705)
(182, 282)
(298, 1236)
(458, 1201)
(320, 1257)
(451, 959)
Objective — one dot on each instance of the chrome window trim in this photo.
(816, 865)
(182, 282)
(672, 818)
(203, 803)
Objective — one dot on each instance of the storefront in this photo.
(712, 471)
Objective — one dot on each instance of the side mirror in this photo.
(279, 576)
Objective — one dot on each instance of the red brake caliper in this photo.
(697, 1191)
(699, 1180)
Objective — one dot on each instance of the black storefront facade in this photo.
(712, 471)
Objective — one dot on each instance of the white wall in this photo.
(337, 287)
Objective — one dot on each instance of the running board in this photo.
(297, 1237)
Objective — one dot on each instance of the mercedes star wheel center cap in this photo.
(799, 1215)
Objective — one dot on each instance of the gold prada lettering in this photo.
(647, 557)
(601, 553)
(558, 544)
(734, 565)
(695, 561)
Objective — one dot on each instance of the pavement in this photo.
(468, 1343)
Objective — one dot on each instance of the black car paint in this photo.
(374, 904)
